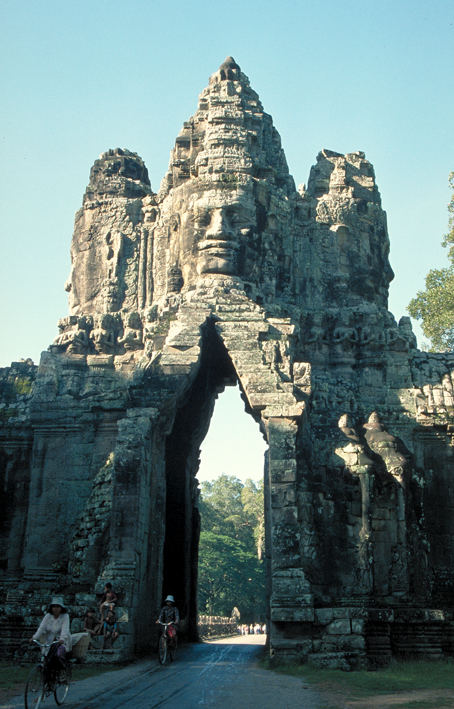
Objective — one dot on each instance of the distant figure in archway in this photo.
(170, 614)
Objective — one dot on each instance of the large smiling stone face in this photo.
(215, 231)
(222, 229)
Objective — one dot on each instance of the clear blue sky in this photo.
(79, 77)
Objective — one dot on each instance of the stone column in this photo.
(137, 526)
(268, 550)
(291, 599)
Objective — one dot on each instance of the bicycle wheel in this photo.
(162, 649)
(173, 650)
(34, 689)
(62, 686)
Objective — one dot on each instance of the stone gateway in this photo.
(230, 274)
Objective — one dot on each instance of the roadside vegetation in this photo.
(408, 684)
(14, 677)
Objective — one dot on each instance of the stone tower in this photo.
(229, 274)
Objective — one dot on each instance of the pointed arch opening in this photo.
(183, 452)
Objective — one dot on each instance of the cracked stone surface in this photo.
(229, 273)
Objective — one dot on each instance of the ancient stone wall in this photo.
(16, 386)
(229, 274)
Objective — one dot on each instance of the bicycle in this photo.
(167, 644)
(44, 680)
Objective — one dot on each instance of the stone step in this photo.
(104, 656)
(248, 357)
(262, 382)
(270, 398)
(293, 411)
(238, 328)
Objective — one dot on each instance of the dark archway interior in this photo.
(182, 461)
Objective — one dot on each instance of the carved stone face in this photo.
(215, 231)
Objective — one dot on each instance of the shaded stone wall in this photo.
(230, 274)
(16, 384)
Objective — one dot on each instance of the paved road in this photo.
(208, 675)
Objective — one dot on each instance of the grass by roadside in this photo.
(13, 677)
(411, 684)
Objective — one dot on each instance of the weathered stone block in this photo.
(324, 615)
(339, 627)
(291, 615)
(358, 625)
(382, 615)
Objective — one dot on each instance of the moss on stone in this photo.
(8, 413)
(23, 386)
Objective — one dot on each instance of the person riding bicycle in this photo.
(55, 626)
(170, 614)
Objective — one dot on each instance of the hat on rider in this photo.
(169, 599)
(57, 601)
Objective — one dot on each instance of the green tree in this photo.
(230, 575)
(231, 570)
(222, 511)
(434, 306)
(252, 498)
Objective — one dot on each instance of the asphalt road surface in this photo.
(210, 675)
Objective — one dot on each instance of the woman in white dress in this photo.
(55, 626)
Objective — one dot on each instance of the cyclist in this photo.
(55, 626)
(170, 614)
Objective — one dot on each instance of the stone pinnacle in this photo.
(229, 69)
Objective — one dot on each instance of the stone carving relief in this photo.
(229, 274)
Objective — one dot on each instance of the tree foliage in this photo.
(434, 306)
(229, 575)
(231, 566)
